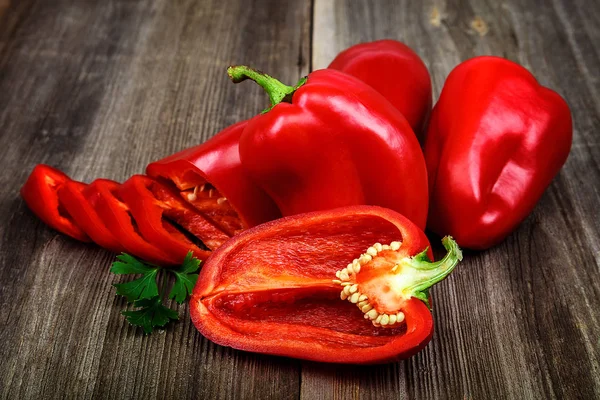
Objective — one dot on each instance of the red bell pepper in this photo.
(167, 221)
(212, 179)
(495, 141)
(71, 197)
(338, 143)
(395, 71)
(273, 288)
(40, 192)
(103, 195)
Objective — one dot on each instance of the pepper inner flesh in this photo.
(255, 313)
(204, 197)
(207, 199)
(285, 278)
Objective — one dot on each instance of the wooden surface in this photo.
(101, 88)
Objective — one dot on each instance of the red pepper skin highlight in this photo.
(217, 161)
(339, 143)
(395, 71)
(40, 192)
(495, 141)
(270, 289)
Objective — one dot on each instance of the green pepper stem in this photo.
(425, 273)
(276, 90)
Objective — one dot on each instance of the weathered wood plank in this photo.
(519, 320)
(99, 89)
(102, 88)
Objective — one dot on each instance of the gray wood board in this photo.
(519, 320)
(99, 89)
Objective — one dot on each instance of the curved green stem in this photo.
(421, 274)
(276, 90)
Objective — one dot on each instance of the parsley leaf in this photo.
(141, 288)
(151, 314)
(185, 279)
(144, 292)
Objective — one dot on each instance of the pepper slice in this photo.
(168, 222)
(83, 213)
(103, 195)
(211, 178)
(273, 288)
(40, 192)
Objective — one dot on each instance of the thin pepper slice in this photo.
(40, 193)
(397, 72)
(71, 196)
(279, 288)
(103, 195)
(167, 221)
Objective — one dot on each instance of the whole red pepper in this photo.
(395, 71)
(496, 139)
(338, 143)
(212, 179)
(273, 288)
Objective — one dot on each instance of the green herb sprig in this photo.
(144, 291)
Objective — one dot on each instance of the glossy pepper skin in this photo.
(273, 288)
(40, 192)
(338, 143)
(495, 141)
(397, 72)
(216, 162)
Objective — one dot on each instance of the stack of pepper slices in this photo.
(357, 164)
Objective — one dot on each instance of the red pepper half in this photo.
(103, 195)
(212, 179)
(167, 221)
(495, 141)
(338, 143)
(395, 71)
(273, 288)
(71, 196)
(40, 192)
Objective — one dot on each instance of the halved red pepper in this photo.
(211, 177)
(496, 139)
(40, 192)
(103, 195)
(273, 288)
(397, 72)
(338, 143)
(71, 197)
(163, 218)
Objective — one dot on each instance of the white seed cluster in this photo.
(350, 290)
(194, 195)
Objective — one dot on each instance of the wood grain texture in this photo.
(99, 89)
(520, 320)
